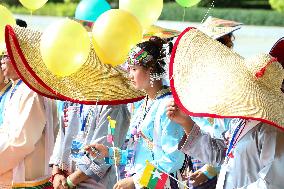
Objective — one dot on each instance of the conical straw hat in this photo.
(94, 83)
(210, 80)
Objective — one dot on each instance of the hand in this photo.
(197, 178)
(97, 150)
(178, 116)
(60, 182)
(126, 183)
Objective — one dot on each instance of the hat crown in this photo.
(267, 70)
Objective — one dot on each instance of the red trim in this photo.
(277, 51)
(261, 72)
(9, 31)
(179, 103)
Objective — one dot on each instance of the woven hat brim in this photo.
(93, 83)
(161, 32)
(219, 33)
(203, 81)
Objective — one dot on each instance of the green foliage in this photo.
(277, 5)
(172, 11)
(50, 9)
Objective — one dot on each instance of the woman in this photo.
(81, 125)
(5, 85)
(205, 176)
(152, 136)
(248, 91)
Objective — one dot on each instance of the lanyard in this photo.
(235, 138)
(15, 88)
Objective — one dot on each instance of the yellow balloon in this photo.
(6, 18)
(115, 33)
(33, 4)
(146, 11)
(65, 47)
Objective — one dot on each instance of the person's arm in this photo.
(97, 168)
(203, 147)
(178, 116)
(269, 142)
(28, 125)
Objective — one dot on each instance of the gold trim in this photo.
(5, 88)
(30, 184)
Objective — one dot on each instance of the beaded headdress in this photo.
(139, 56)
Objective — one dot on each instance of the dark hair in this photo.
(224, 41)
(154, 46)
(21, 23)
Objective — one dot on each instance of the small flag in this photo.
(111, 129)
(112, 122)
(153, 178)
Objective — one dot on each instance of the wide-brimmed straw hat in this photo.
(216, 27)
(93, 83)
(210, 80)
(161, 32)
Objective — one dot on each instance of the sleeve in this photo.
(29, 125)
(270, 145)
(203, 147)
(57, 151)
(210, 171)
(97, 168)
(171, 133)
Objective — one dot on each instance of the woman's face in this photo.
(140, 77)
(2, 78)
(7, 68)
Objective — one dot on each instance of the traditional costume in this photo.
(152, 137)
(231, 87)
(3, 94)
(215, 28)
(81, 125)
(26, 138)
(97, 84)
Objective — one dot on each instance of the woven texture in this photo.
(93, 82)
(211, 80)
(216, 27)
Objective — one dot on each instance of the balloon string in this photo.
(208, 10)
(183, 14)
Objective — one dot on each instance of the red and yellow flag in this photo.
(153, 178)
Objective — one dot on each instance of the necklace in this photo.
(136, 133)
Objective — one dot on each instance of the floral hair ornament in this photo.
(139, 56)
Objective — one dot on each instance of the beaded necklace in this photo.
(136, 133)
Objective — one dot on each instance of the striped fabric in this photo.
(47, 185)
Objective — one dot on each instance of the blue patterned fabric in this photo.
(3, 96)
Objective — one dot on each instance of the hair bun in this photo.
(157, 41)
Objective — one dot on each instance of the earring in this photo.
(152, 79)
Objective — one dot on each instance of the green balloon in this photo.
(187, 3)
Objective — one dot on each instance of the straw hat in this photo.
(94, 83)
(210, 80)
(161, 32)
(216, 27)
